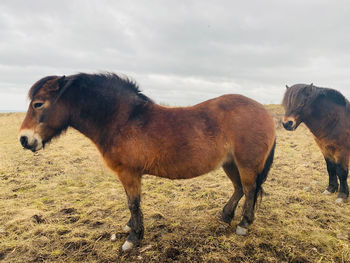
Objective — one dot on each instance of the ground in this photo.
(62, 204)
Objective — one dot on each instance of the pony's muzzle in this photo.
(289, 125)
(26, 145)
(31, 141)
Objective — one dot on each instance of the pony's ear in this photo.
(58, 84)
(307, 90)
(61, 81)
(63, 84)
(312, 84)
(287, 87)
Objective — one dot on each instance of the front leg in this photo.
(137, 229)
(333, 182)
(132, 186)
(127, 227)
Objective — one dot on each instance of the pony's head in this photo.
(296, 102)
(47, 116)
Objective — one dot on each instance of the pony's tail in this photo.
(261, 178)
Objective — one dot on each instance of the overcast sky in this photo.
(179, 52)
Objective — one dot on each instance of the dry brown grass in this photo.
(62, 205)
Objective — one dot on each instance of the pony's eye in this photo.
(38, 105)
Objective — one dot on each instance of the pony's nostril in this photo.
(24, 141)
(290, 123)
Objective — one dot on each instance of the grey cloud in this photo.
(179, 52)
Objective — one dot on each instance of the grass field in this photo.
(61, 205)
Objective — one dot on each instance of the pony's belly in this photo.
(186, 170)
(179, 175)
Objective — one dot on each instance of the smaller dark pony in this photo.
(326, 112)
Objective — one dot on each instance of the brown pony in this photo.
(326, 112)
(136, 136)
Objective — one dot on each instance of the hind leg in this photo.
(229, 209)
(341, 167)
(248, 179)
(342, 174)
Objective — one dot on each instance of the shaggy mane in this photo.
(295, 96)
(110, 81)
(336, 97)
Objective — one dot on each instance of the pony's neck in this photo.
(103, 123)
(323, 117)
(92, 130)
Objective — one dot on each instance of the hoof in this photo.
(339, 201)
(113, 237)
(126, 229)
(241, 231)
(127, 246)
(326, 192)
(226, 219)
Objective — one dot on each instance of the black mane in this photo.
(106, 84)
(334, 96)
(104, 81)
(296, 93)
(101, 95)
